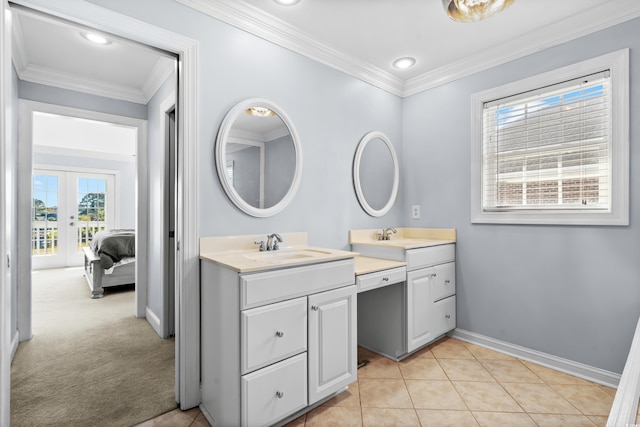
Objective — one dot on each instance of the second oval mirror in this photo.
(258, 157)
(376, 174)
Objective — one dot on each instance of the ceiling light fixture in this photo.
(474, 10)
(404, 63)
(260, 112)
(96, 38)
(287, 2)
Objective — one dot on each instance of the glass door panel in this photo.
(44, 215)
(91, 196)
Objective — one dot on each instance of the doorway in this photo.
(68, 209)
(187, 276)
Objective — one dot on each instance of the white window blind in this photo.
(550, 148)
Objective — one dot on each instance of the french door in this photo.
(67, 209)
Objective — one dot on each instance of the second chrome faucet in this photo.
(272, 243)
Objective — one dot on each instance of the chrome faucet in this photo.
(386, 233)
(272, 242)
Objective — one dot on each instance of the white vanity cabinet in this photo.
(275, 342)
(430, 300)
(431, 304)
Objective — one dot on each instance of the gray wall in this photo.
(246, 174)
(280, 161)
(69, 98)
(570, 291)
(157, 199)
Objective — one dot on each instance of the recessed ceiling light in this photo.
(403, 63)
(96, 38)
(287, 2)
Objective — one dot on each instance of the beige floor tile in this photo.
(423, 352)
(437, 418)
(484, 396)
(589, 399)
(349, 397)
(503, 419)
(422, 368)
(334, 416)
(550, 376)
(175, 418)
(600, 421)
(379, 367)
(483, 353)
(374, 417)
(298, 422)
(201, 421)
(609, 390)
(429, 394)
(539, 398)
(553, 420)
(510, 371)
(450, 348)
(384, 393)
(465, 370)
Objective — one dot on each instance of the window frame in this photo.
(618, 214)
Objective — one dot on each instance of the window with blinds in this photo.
(549, 148)
(554, 148)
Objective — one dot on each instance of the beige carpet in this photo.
(90, 362)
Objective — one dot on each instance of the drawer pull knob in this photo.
(279, 394)
(448, 316)
(279, 334)
(385, 279)
(446, 282)
(315, 308)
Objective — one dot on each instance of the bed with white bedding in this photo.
(110, 260)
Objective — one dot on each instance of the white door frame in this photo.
(187, 263)
(6, 91)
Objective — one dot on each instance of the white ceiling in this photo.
(54, 52)
(359, 37)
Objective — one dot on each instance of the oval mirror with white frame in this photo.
(258, 157)
(376, 174)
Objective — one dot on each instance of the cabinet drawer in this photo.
(263, 288)
(366, 282)
(274, 392)
(443, 316)
(444, 281)
(272, 333)
(433, 255)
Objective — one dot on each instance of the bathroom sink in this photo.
(284, 255)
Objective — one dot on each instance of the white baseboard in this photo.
(14, 344)
(589, 373)
(154, 321)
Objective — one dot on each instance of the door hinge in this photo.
(8, 261)
(178, 245)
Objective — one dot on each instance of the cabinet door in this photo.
(332, 350)
(419, 303)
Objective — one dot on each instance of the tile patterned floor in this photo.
(450, 383)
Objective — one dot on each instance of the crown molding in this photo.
(86, 154)
(275, 30)
(69, 81)
(18, 50)
(268, 27)
(604, 16)
(162, 71)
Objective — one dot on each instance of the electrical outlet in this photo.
(415, 211)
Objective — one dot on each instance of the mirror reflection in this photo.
(258, 157)
(376, 175)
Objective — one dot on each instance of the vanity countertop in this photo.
(405, 238)
(366, 265)
(240, 253)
